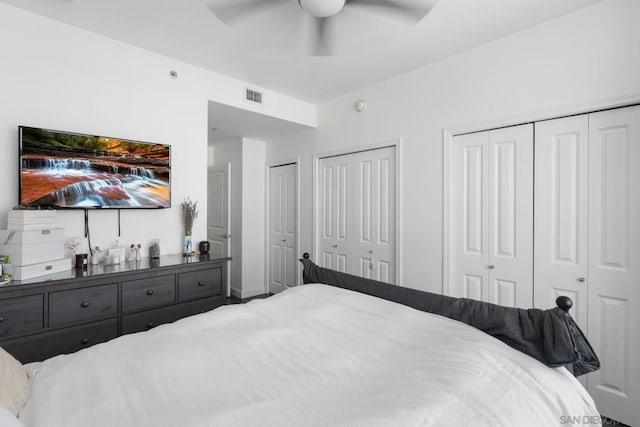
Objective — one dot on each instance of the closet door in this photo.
(356, 212)
(561, 210)
(336, 204)
(511, 216)
(469, 241)
(614, 261)
(374, 217)
(491, 228)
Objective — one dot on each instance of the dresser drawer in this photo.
(149, 319)
(82, 305)
(197, 284)
(42, 346)
(143, 293)
(19, 315)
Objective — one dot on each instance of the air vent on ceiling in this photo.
(254, 96)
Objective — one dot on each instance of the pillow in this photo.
(15, 382)
(7, 419)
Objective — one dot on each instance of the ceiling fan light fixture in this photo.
(319, 27)
(322, 8)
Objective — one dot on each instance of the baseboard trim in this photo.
(248, 293)
(235, 292)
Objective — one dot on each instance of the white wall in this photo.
(253, 217)
(57, 76)
(247, 158)
(578, 59)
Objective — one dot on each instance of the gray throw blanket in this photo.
(550, 336)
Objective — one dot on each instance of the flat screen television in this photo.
(64, 170)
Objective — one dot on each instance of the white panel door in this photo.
(614, 261)
(356, 213)
(469, 260)
(335, 213)
(218, 215)
(561, 214)
(282, 227)
(374, 214)
(510, 216)
(491, 222)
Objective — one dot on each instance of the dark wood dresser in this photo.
(64, 312)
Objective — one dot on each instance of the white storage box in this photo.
(32, 247)
(31, 219)
(24, 272)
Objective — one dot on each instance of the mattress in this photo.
(311, 355)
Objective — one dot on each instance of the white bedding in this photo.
(312, 355)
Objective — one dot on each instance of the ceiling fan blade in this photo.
(234, 11)
(322, 45)
(413, 13)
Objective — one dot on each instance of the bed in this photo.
(311, 355)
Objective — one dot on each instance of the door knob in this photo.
(371, 251)
(284, 240)
(225, 235)
(491, 267)
(581, 279)
(334, 246)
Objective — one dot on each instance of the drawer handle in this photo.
(84, 341)
(150, 325)
(84, 304)
(200, 283)
(1, 319)
(150, 292)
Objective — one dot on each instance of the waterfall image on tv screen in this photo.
(69, 170)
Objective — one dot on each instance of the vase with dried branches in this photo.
(189, 214)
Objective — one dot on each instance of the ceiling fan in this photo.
(319, 27)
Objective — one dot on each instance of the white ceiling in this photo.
(188, 31)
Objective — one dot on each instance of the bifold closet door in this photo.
(614, 261)
(587, 242)
(491, 227)
(561, 214)
(357, 213)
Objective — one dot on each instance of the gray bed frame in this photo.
(550, 336)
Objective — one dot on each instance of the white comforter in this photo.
(312, 355)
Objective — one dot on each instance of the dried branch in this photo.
(189, 214)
